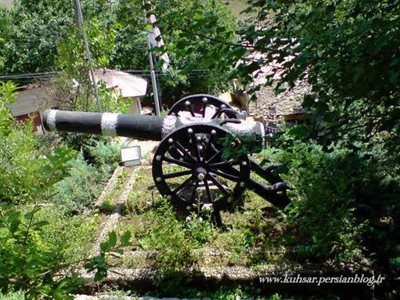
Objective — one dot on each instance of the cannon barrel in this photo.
(114, 124)
(144, 127)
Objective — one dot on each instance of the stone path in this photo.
(112, 221)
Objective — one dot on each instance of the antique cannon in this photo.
(203, 159)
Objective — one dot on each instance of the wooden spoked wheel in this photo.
(191, 169)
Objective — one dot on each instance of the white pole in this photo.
(152, 73)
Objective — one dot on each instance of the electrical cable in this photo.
(144, 73)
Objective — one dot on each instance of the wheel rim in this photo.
(203, 106)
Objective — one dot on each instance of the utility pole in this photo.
(152, 73)
(79, 23)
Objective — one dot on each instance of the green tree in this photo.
(348, 51)
(33, 255)
(194, 32)
(31, 31)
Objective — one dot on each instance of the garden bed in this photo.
(172, 250)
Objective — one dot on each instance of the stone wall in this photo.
(271, 108)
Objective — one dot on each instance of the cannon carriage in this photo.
(204, 158)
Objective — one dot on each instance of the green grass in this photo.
(12, 296)
(248, 237)
(108, 203)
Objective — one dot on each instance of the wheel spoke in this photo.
(197, 151)
(178, 162)
(183, 150)
(226, 175)
(195, 147)
(210, 200)
(224, 163)
(175, 191)
(219, 185)
(216, 114)
(174, 151)
(216, 154)
(210, 144)
(191, 110)
(177, 174)
(203, 113)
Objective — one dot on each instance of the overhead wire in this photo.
(46, 75)
(51, 74)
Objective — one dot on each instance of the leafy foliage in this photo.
(41, 249)
(347, 51)
(169, 238)
(345, 201)
(31, 262)
(27, 170)
(80, 188)
(344, 162)
(7, 96)
(26, 262)
(322, 213)
(33, 29)
(194, 33)
(85, 181)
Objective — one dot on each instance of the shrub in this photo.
(81, 187)
(27, 167)
(34, 254)
(25, 258)
(7, 96)
(105, 154)
(85, 181)
(71, 235)
(167, 236)
(321, 216)
(13, 296)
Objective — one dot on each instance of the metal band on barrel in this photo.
(168, 124)
(51, 119)
(109, 123)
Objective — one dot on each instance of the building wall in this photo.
(29, 101)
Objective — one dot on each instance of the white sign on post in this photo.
(130, 156)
